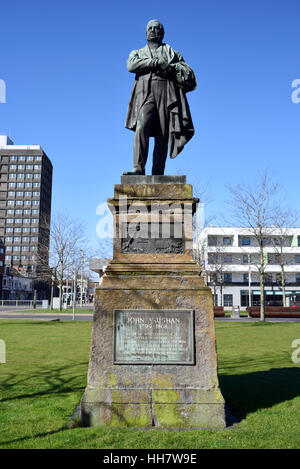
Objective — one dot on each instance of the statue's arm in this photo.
(136, 63)
(182, 73)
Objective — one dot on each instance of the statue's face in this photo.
(154, 31)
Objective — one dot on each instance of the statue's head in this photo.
(155, 31)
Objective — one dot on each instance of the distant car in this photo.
(295, 304)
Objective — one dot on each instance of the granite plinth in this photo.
(130, 383)
(131, 179)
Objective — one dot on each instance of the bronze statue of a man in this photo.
(158, 106)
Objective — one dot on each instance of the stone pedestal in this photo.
(153, 358)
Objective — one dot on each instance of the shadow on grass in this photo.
(38, 435)
(246, 393)
(58, 380)
(243, 393)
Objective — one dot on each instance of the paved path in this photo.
(46, 316)
(8, 309)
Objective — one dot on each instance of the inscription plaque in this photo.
(154, 337)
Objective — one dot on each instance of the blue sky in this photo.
(64, 65)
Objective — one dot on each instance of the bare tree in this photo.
(285, 219)
(215, 270)
(254, 207)
(67, 241)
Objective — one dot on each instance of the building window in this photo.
(227, 258)
(246, 278)
(227, 277)
(11, 194)
(266, 241)
(19, 202)
(278, 278)
(12, 176)
(21, 158)
(273, 259)
(13, 158)
(28, 176)
(21, 166)
(212, 240)
(245, 259)
(297, 259)
(212, 258)
(10, 202)
(245, 241)
(298, 278)
(227, 300)
(227, 241)
(268, 279)
(36, 194)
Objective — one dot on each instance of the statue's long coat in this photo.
(181, 127)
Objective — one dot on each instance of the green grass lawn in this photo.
(45, 376)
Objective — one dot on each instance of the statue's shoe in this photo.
(134, 172)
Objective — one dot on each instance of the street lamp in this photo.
(51, 297)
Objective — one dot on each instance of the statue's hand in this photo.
(163, 67)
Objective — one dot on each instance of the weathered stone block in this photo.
(172, 389)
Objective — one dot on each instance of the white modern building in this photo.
(231, 261)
